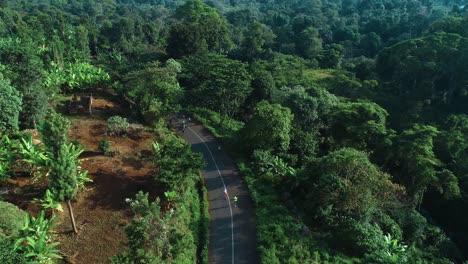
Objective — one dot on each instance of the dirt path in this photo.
(233, 233)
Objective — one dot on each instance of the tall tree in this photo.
(345, 184)
(10, 107)
(258, 38)
(63, 183)
(216, 82)
(268, 128)
(55, 130)
(199, 26)
(361, 125)
(154, 89)
(415, 161)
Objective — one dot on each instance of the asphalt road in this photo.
(233, 233)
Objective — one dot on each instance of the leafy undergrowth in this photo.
(224, 129)
(283, 238)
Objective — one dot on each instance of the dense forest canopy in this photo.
(348, 117)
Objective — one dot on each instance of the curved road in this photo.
(232, 234)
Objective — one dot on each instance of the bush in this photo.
(11, 219)
(359, 238)
(222, 128)
(104, 146)
(117, 126)
(8, 255)
(389, 226)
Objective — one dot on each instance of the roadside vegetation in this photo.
(348, 120)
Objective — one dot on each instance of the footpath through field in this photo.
(232, 233)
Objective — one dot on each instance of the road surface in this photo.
(232, 233)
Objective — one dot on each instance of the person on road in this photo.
(235, 201)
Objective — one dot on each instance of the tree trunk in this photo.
(72, 217)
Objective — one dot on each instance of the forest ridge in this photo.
(348, 120)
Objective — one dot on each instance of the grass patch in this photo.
(319, 76)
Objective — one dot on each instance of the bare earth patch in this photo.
(101, 212)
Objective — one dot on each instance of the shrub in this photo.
(35, 240)
(223, 128)
(7, 253)
(104, 146)
(389, 226)
(117, 126)
(270, 168)
(359, 238)
(11, 219)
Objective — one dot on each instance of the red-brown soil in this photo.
(100, 211)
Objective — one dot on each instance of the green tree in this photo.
(155, 90)
(55, 130)
(186, 39)
(309, 43)
(35, 107)
(148, 233)
(311, 106)
(63, 182)
(361, 125)
(268, 128)
(200, 26)
(414, 160)
(216, 82)
(423, 77)
(24, 67)
(263, 87)
(10, 107)
(451, 145)
(176, 162)
(7, 157)
(257, 39)
(345, 184)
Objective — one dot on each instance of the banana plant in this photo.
(171, 197)
(82, 178)
(48, 202)
(396, 251)
(35, 240)
(156, 147)
(41, 251)
(74, 75)
(35, 156)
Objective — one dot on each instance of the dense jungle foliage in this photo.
(349, 119)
